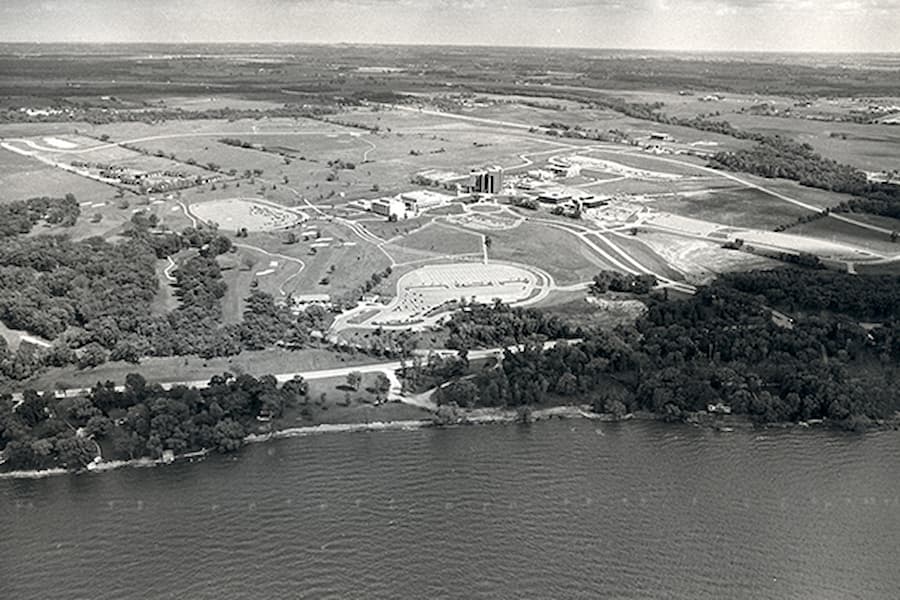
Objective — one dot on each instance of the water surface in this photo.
(564, 509)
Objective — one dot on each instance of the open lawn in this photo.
(337, 410)
(22, 177)
(442, 239)
(387, 230)
(193, 368)
(338, 256)
(165, 300)
(562, 255)
(450, 209)
(241, 269)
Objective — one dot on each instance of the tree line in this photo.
(143, 420)
(722, 345)
(776, 156)
(93, 298)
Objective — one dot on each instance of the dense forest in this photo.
(775, 156)
(92, 298)
(143, 420)
(722, 345)
(21, 216)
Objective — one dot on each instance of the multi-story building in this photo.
(486, 181)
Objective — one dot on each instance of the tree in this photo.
(228, 435)
(354, 379)
(567, 384)
(75, 452)
(615, 407)
(382, 384)
(92, 355)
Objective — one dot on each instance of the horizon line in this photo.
(462, 45)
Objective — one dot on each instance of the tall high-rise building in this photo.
(486, 181)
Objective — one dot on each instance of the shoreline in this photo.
(457, 418)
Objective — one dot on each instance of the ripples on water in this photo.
(554, 510)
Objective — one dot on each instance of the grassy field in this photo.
(736, 206)
(839, 231)
(345, 266)
(562, 255)
(442, 239)
(191, 368)
(165, 300)
(648, 162)
(236, 213)
(867, 147)
(819, 198)
(645, 255)
(387, 230)
(22, 178)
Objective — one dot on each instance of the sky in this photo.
(693, 25)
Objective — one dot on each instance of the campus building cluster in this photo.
(404, 205)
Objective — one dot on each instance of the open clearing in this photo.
(564, 256)
(736, 206)
(702, 261)
(441, 240)
(847, 233)
(237, 213)
(191, 368)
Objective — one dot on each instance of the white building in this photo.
(419, 200)
(389, 207)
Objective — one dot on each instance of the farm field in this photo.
(842, 232)
(645, 162)
(867, 147)
(22, 178)
(736, 206)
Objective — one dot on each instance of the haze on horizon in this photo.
(691, 25)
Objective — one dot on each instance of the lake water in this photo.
(564, 509)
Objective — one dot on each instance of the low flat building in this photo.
(592, 201)
(554, 197)
(389, 207)
(310, 299)
(419, 200)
